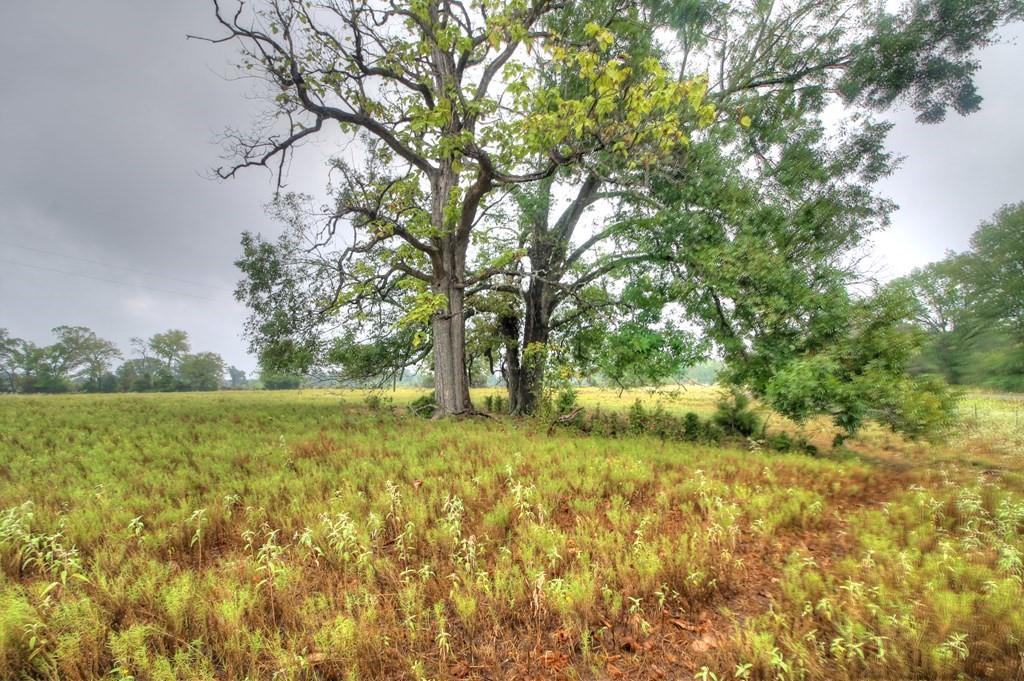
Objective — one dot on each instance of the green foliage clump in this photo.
(565, 400)
(692, 427)
(637, 418)
(377, 402)
(864, 375)
(920, 408)
(658, 422)
(424, 405)
(784, 442)
(495, 404)
(735, 416)
(273, 380)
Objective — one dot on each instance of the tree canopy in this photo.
(602, 187)
(970, 307)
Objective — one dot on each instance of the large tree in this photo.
(754, 223)
(82, 356)
(450, 108)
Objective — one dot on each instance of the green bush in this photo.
(376, 402)
(565, 401)
(424, 405)
(692, 427)
(637, 418)
(784, 442)
(712, 432)
(734, 415)
(780, 442)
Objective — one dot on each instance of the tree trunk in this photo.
(451, 380)
(526, 360)
(451, 383)
(512, 368)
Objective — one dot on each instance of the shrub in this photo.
(691, 427)
(565, 401)
(424, 405)
(784, 442)
(375, 402)
(734, 415)
(712, 432)
(637, 418)
(780, 442)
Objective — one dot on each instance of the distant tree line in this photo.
(79, 360)
(970, 307)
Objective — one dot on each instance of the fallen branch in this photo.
(564, 418)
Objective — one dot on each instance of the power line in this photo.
(108, 281)
(118, 267)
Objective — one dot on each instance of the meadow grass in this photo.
(304, 535)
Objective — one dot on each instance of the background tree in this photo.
(970, 307)
(8, 361)
(170, 346)
(995, 269)
(201, 371)
(236, 377)
(80, 360)
(40, 369)
(83, 357)
(950, 322)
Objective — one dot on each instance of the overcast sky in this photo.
(108, 218)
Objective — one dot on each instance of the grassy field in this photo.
(302, 535)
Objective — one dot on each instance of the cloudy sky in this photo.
(108, 217)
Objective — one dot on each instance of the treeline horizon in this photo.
(81, 361)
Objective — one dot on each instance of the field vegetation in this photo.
(538, 195)
(318, 535)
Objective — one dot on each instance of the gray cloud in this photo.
(107, 122)
(958, 173)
